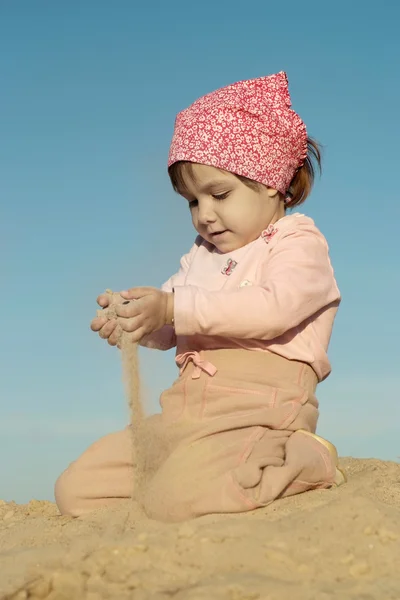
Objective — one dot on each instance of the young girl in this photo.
(250, 311)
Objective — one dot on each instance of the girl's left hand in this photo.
(149, 311)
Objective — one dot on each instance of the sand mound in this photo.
(325, 544)
(342, 543)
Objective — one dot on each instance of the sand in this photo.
(324, 544)
(141, 437)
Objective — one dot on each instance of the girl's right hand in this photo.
(107, 327)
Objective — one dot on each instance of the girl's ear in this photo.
(272, 192)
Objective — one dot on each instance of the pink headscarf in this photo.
(246, 128)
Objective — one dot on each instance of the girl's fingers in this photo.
(130, 325)
(129, 294)
(108, 329)
(115, 336)
(132, 338)
(137, 292)
(103, 300)
(98, 323)
(137, 335)
(127, 310)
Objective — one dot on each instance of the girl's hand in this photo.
(106, 324)
(144, 310)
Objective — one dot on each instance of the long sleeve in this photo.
(296, 282)
(165, 338)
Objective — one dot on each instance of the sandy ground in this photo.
(343, 543)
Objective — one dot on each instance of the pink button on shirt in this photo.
(276, 294)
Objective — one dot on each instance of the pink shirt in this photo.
(276, 294)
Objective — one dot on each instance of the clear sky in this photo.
(89, 93)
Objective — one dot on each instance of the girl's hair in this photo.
(300, 186)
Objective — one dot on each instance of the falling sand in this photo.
(324, 545)
(131, 377)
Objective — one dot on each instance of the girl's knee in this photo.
(67, 493)
(101, 476)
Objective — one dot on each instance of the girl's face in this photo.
(225, 211)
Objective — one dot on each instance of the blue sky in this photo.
(89, 93)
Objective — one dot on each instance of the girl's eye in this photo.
(221, 196)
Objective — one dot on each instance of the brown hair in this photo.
(300, 186)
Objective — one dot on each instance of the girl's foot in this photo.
(340, 477)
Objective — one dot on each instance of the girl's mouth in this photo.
(217, 234)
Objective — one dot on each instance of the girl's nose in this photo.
(206, 212)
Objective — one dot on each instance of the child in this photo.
(250, 311)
